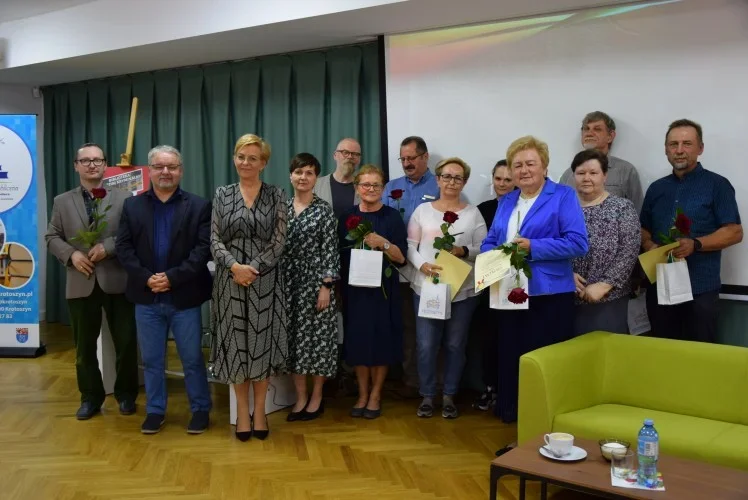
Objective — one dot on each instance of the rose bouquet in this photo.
(92, 233)
(446, 241)
(395, 195)
(680, 228)
(358, 228)
(518, 261)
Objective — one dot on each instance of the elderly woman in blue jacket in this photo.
(545, 219)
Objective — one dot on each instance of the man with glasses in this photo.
(95, 281)
(164, 244)
(598, 132)
(337, 188)
(417, 186)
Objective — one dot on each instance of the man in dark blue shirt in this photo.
(164, 245)
(708, 199)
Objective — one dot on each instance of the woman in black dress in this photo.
(373, 322)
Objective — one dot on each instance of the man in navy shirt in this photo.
(708, 199)
(164, 245)
(417, 186)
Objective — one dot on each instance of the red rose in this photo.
(683, 224)
(450, 217)
(518, 296)
(396, 194)
(352, 222)
(98, 193)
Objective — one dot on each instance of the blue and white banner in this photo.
(19, 252)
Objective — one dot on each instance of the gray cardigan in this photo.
(323, 190)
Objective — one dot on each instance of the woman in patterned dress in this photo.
(248, 233)
(310, 264)
(603, 276)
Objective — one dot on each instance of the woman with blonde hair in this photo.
(469, 230)
(373, 316)
(248, 233)
(544, 219)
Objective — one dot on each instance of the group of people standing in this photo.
(282, 265)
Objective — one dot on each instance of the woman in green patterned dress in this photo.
(311, 264)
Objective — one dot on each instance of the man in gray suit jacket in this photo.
(337, 187)
(95, 280)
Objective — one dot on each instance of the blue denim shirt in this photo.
(423, 191)
(708, 199)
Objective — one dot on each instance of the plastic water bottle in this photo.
(648, 452)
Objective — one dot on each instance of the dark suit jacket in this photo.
(189, 250)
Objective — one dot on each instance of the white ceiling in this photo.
(12, 10)
(303, 34)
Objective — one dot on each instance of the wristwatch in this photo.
(386, 246)
(328, 284)
(696, 245)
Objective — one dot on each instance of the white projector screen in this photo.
(469, 91)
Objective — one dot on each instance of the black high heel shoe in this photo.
(297, 415)
(311, 415)
(244, 435)
(261, 435)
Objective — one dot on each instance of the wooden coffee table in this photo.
(684, 479)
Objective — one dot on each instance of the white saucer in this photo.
(576, 454)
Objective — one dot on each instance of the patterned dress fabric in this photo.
(311, 254)
(615, 235)
(248, 323)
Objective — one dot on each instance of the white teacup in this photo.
(560, 443)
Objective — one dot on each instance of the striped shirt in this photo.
(705, 197)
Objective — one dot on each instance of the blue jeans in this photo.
(429, 336)
(154, 322)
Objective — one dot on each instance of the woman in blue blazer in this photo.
(545, 219)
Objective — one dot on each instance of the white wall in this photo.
(106, 25)
(19, 100)
(471, 91)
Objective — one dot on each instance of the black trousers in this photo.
(695, 320)
(484, 324)
(85, 320)
(549, 320)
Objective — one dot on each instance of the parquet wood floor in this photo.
(45, 453)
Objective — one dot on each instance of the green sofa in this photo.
(603, 385)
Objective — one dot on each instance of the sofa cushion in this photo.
(689, 378)
(729, 448)
(680, 435)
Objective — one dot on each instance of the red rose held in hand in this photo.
(98, 193)
(450, 217)
(683, 224)
(518, 296)
(352, 222)
(396, 194)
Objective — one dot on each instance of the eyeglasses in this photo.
(348, 154)
(370, 187)
(88, 161)
(449, 178)
(170, 168)
(248, 159)
(409, 159)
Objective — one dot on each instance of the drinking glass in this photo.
(622, 464)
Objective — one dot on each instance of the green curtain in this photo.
(297, 102)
